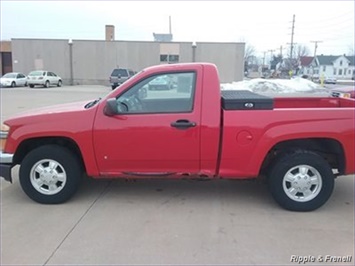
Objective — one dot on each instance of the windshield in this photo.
(36, 73)
(10, 75)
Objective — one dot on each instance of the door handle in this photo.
(183, 124)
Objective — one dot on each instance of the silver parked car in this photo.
(43, 78)
(330, 80)
(13, 79)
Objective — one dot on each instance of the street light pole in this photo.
(71, 81)
(194, 52)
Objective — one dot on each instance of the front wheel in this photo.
(46, 84)
(301, 181)
(13, 84)
(32, 86)
(50, 174)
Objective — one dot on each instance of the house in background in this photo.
(305, 65)
(339, 67)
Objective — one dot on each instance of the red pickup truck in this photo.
(299, 145)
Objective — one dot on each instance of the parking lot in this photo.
(151, 222)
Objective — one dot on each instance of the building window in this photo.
(340, 72)
(171, 58)
(349, 72)
(341, 62)
(335, 71)
(324, 68)
(174, 58)
(163, 58)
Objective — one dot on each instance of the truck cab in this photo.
(299, 145)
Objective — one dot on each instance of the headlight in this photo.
(3, 136)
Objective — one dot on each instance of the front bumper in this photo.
(6, 165)
(5, 85)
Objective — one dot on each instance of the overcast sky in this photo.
(266, 25)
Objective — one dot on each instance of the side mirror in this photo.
(111, 107)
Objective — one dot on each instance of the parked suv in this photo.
(120, 75)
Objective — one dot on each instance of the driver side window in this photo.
(162, 93)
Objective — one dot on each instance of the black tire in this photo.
(64, 177)
(46, 84)
(32, 86)
(13, 84)
(311, 189)
(59, 83)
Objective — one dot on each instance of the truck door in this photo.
(157, 130)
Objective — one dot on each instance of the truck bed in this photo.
(313, 102)
(247, 100)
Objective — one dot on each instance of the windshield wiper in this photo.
(91, 104)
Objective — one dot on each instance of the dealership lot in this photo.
(163, 221)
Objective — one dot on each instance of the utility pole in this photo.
(293, 32)
(281, 51)
(316, 46)
(264, 59)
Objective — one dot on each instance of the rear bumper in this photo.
(115, 83)
(35, 82)
(6, 165)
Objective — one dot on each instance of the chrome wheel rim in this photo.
(302, 183)
(48, 177)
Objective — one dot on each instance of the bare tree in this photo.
(302, 50)
(249, 56)
(249, 52)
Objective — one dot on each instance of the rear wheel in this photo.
(59, 83)
(50, 174)
(32, 86)
(301, 181)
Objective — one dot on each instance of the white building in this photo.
(339, 67)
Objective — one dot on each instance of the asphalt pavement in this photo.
(161, 222)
